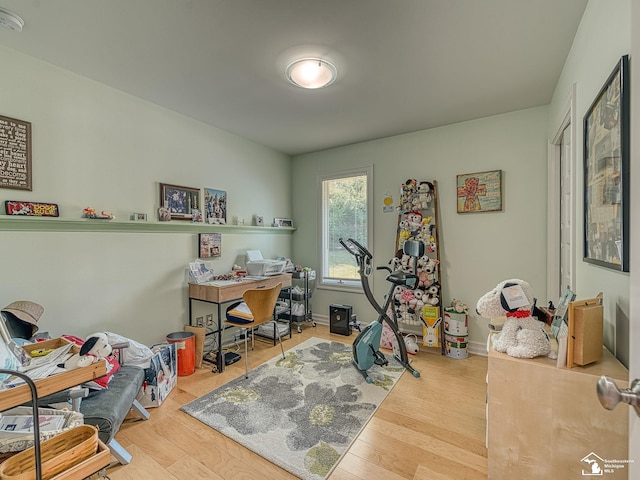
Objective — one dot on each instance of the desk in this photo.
(543, 420)
(227, 293)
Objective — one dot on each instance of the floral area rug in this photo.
(302, 412)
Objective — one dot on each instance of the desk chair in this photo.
(261, 303)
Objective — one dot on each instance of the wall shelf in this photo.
(59, 224)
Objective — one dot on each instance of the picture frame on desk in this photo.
(560, 318)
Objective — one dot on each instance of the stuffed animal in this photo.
(95, 348)
(424, 194)
(432, 294)
(387, 338)
(459, 307)
(426, 271)
(414, 221)
(408, 194)
(522, 336)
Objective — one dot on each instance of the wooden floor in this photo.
(432, 427)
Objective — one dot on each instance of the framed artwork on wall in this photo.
(479, 192)
(15, 154)
(606, 173)
(179, 200)
(210, 245)
(215, 206)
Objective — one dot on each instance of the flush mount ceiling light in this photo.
(10, 20)
(311, 73)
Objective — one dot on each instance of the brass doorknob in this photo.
(610, 395)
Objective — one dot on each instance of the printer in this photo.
(258, 266)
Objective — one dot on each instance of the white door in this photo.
(561, 236)
(567, 235)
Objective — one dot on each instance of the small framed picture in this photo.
(210, 245)
(215, 206)
(479, 192)
(282, 222)
(139, 217)
(259, 220)
(179, 200)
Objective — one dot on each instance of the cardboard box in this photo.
(160, 377)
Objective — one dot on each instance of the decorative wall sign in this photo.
(179, 200)
(210, 245)
(15, 154)
(32, 209)
(480, 192)
(215, 206)
(606, 173)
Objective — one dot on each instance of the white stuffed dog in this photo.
(96, 347)
(522, 336)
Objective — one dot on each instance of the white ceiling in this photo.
(403, 65)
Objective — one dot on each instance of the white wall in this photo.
(95, 146)
(603, 37)
(477, 250)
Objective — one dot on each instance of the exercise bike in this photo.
(366, 346)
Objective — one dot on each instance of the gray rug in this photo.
(301, 413)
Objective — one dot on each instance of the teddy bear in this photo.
(459, 307)
(95, 348)
(522, 336)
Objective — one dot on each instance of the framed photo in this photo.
(606, 173)
(179, 200)
(479, 192)
(282, 222)
(259, 221)
(560, 321)
(215, 206)
(210, 245)
(139, 217)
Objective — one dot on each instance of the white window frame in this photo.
(342, 285)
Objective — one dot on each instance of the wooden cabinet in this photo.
(544, 421)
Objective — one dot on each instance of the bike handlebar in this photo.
(354, 248)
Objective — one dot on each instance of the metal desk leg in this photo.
(220, 357)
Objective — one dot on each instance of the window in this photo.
(345, 214)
